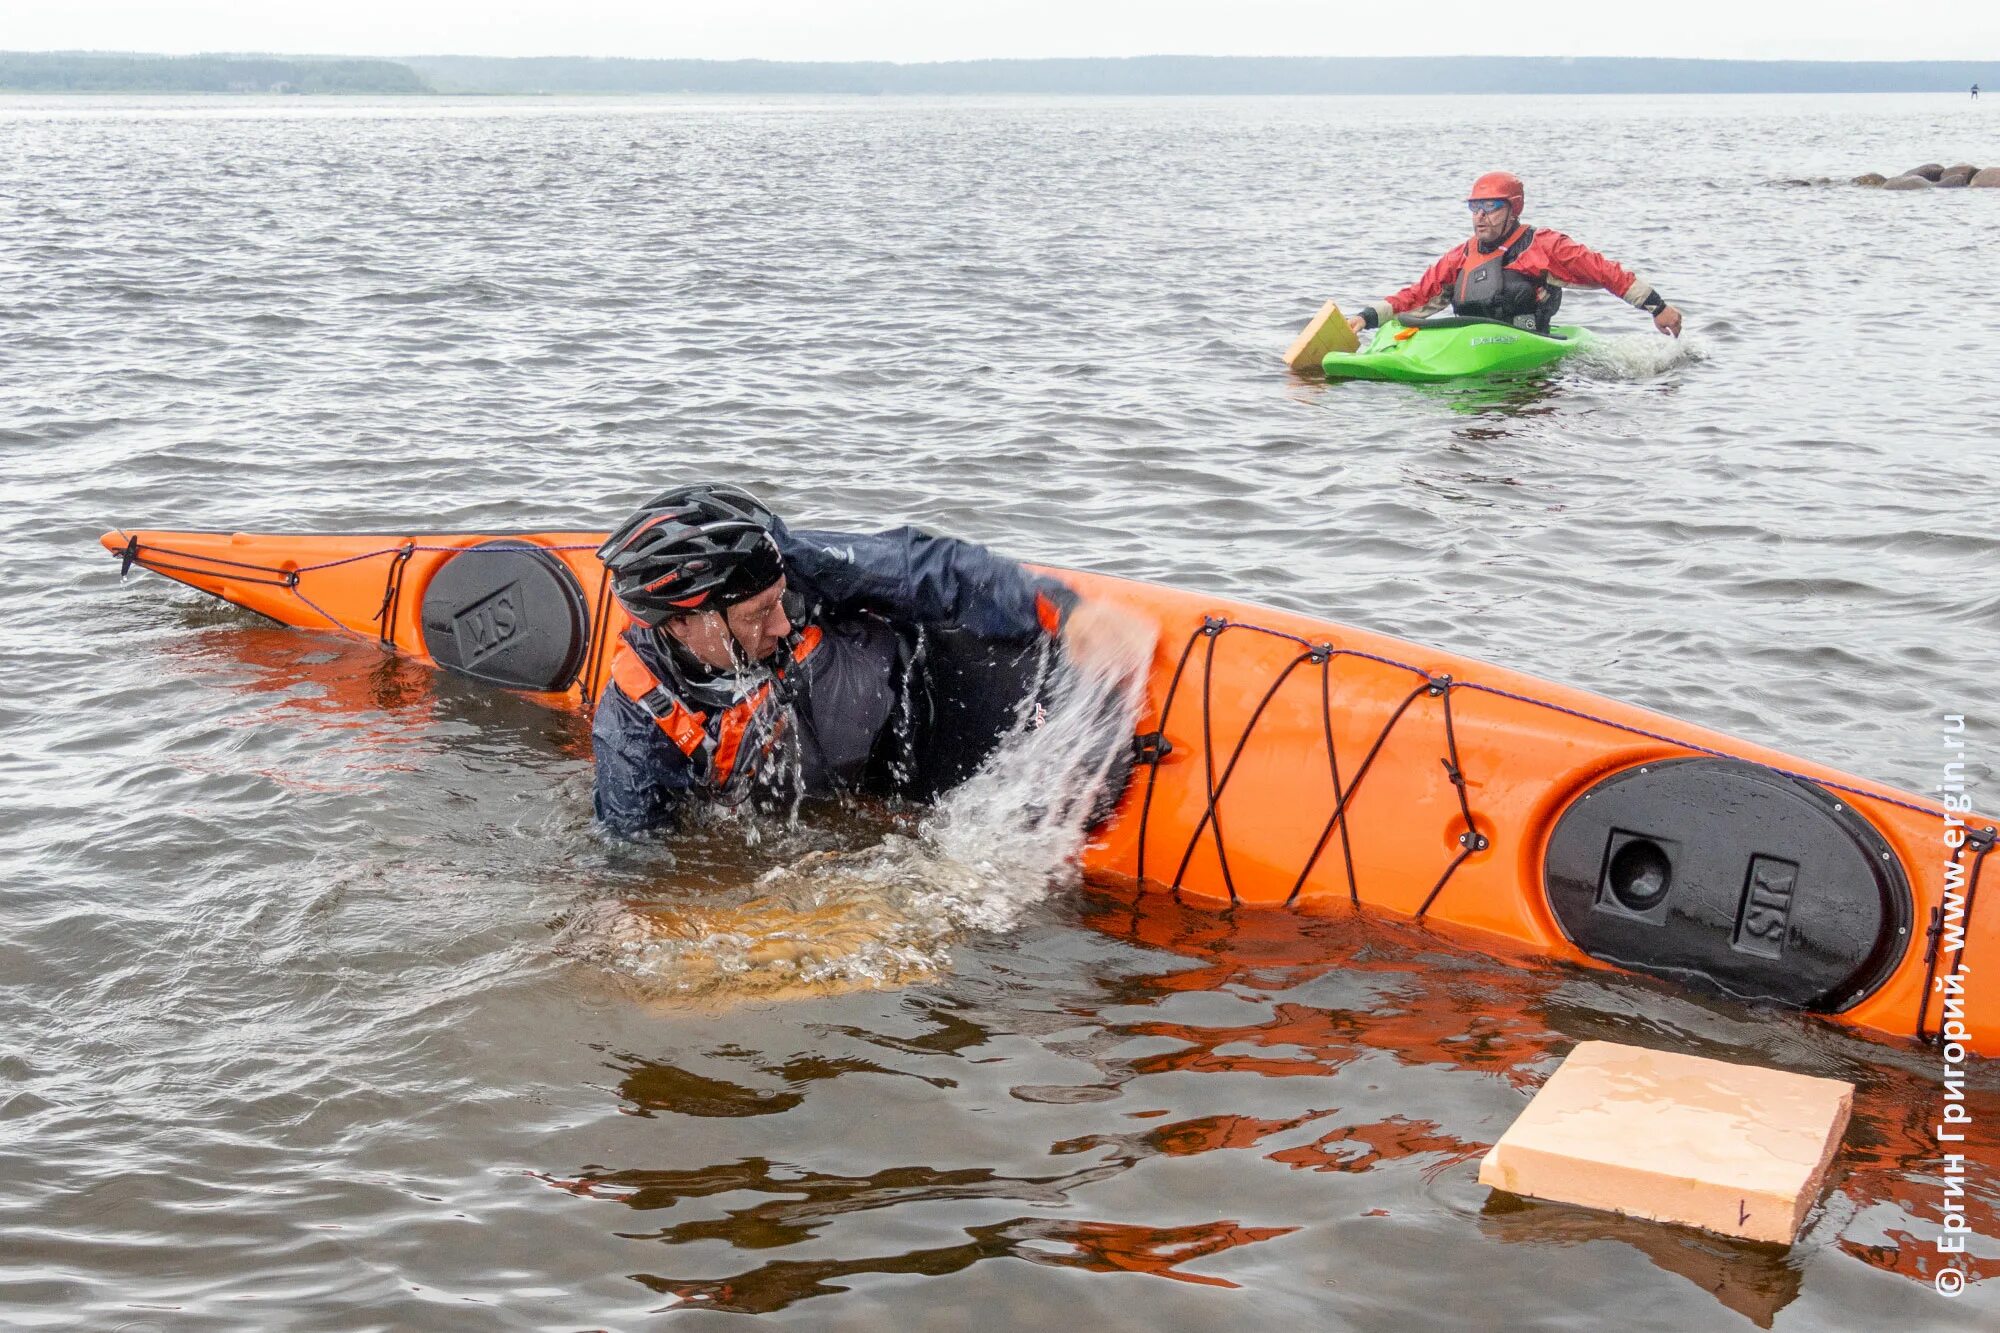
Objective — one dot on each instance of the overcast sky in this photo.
(911, 30)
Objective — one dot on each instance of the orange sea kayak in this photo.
(1294, 762)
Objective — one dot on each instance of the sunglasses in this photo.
(1486, 205)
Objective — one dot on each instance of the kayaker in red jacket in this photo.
(1515, 273)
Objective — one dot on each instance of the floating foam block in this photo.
(1732, 1149)
(1327, 332)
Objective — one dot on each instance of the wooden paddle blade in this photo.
(1328, 332)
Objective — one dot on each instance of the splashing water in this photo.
(992, 848)
(1636, 356)
(1020, 822)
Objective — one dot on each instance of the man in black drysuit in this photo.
(770, 660)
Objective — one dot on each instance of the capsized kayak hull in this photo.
(1447, 348)
(530, 611)
(1288, 761)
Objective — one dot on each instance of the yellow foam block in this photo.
(1733, 1149)
(1327, 332)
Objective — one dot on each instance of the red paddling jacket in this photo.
(1517, 282)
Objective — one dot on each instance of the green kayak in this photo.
(1448, 347)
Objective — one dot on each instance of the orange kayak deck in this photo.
(1294, 762)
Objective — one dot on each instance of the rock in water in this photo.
(1988, 179)
(1930, 171)
(1871, 179)
(1954, 180)
(1966, 167)
(1910, 182)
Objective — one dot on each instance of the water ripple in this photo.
(299, 1019)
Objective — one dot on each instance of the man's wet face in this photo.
(748, 632)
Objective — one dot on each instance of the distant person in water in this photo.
(1975, 92)
(1514, 273)
(769, 660)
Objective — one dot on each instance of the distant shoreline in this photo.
(262, 75)
(435, 95)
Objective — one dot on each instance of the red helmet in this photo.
(1500, 185)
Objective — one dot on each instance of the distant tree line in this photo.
(1153, 75)
(72, 71)
(89, 72)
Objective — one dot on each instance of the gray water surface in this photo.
(295, 1030)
